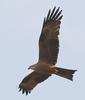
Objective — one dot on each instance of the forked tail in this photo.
(66, 73)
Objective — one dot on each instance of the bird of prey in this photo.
(48, 54)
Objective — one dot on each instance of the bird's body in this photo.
(44, 68)
(41, 67)
(48, 54)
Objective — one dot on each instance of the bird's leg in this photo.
(54, 70)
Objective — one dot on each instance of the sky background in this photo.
(20, 28)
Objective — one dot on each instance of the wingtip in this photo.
(24, 91)
(59, 7)
(20, 89)
(48, 15)
(53, 14)
(54, 7)
(60, 17)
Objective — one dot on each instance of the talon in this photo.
(56, 71)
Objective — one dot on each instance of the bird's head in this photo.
(32, 67)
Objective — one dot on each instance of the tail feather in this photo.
(66, 73)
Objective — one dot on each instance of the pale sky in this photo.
(20, 28)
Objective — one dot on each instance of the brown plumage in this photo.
(48, 54)
(31, 80)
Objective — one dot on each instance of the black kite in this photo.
(48, 54)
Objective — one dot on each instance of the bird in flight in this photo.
(48, 54)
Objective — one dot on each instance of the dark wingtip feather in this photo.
(44, 20)
(23, 90)
(53, 17)
(26, 92)
(60, 17)
(29, 91)
(20, 89)
(52, 13)
(57, 15)
(48, 15)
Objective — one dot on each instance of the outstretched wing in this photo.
(49, 41)
(30, 81)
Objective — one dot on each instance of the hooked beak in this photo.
(29, 68)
